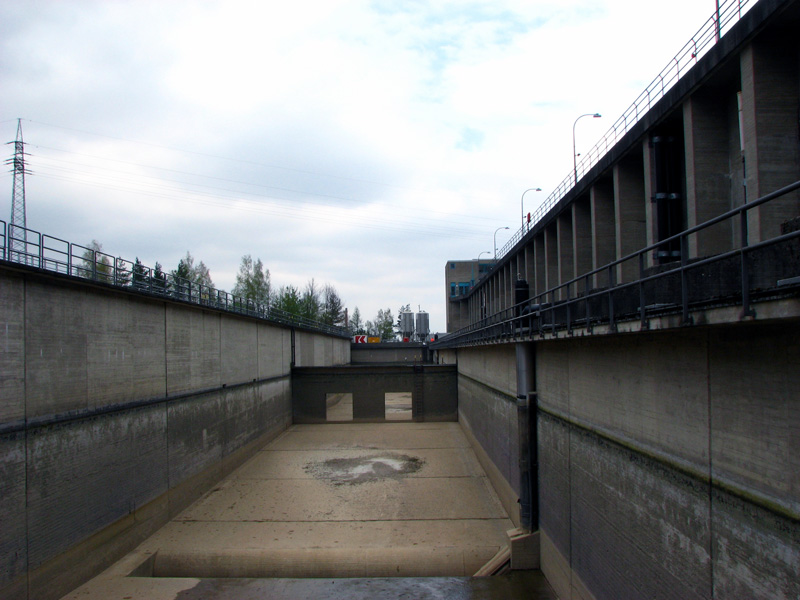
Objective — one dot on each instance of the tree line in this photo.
(315, 302)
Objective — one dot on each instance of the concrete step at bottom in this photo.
(324, 562)
(517, 585)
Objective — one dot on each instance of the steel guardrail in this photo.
(33, 249)
(564, 307)
(730, 12)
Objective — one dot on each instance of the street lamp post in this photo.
(521, 210)
(574, 151)
(482, 253)
(495, 240)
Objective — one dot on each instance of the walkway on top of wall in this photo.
(337, 501)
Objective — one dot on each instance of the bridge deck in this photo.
(331, 501)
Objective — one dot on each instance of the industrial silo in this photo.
(423, 327)
(407, 326)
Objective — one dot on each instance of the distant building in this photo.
(460, 277)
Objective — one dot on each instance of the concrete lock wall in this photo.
(487, 412)
(668, 462)
(389, 352)
(433, 391)
(117, 411)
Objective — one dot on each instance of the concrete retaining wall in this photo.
(433, 391)
(668, 463)
(487, 411)
(117, 411)
(389, 352)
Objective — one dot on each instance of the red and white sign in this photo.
(359, 339)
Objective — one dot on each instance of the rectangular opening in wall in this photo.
(398, 406)
(339, 406)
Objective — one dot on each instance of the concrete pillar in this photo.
(581, 236)
(708, 168)
(501, 288)
(530, 265)
(566, 264)
(604, 230)
(473, 306)
(493, 303)
(649, 194)
(629, 214)
(541, 264)
(551, 256)
(769, 72)
(504, 286)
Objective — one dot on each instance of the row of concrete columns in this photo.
(736, 139)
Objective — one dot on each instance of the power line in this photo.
(303, 213)
(461, 218)
(237, 160)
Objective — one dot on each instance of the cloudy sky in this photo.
(358, 143)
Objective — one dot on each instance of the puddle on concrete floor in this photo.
(364, 469)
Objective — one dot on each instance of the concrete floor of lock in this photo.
(335, 501)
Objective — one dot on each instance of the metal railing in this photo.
(768, 268)
(28, 247)
(730, 11)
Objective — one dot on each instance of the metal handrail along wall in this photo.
(33, 249)
(730, 11)
(565, 307)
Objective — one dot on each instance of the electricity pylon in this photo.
(17, 232)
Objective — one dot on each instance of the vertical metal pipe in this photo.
(642, 312)
(687, 320)
(525, 386)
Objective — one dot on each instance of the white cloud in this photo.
(353, 142)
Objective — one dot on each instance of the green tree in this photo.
(398, 326)
(252, 281)
(188, 276)
(96, 265)
(140, 274)
(202, 275)
(310, 305)
(382, 326)
(122, 274)
(357, 327)
(160, 283)
(332, 306)
(288, 300)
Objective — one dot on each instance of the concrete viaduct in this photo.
(627, 374)
(649, 321)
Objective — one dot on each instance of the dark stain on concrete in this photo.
(364, 469)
